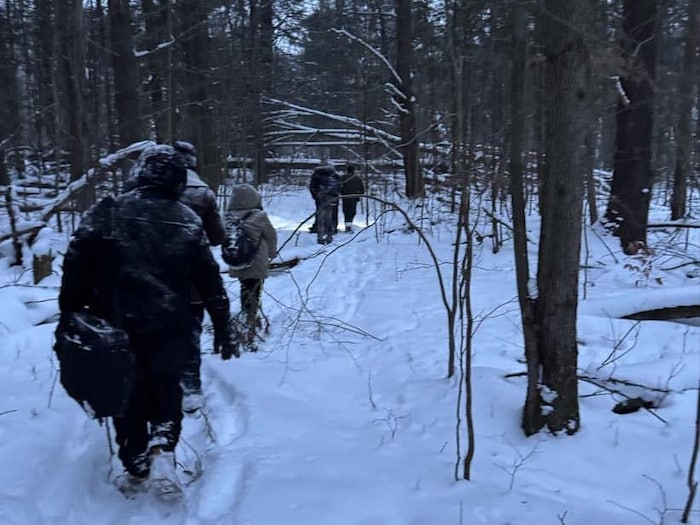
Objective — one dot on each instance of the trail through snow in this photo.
(344, 416)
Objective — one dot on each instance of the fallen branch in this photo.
(673, 225)
(666, 314)
(32, 230)
(600, 383)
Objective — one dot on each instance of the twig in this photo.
(493, 217)
(692, 484)
(611, 356)
(597, 383)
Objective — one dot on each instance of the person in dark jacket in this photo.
(202, 200)
(351, 187)
(324, 188)
(133, 261)
(246, 205)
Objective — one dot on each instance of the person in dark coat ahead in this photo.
(202, 199)
(351, 187)
(324, 188)
(133, 261)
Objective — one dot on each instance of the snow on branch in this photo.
(372, 50)
(621, 91)
(125, 152)
(162, 45)
(338, 118)
(394, 91)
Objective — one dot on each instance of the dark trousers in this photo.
(250, 301)
(334, 216)
(349, 209)
(154, 414)
(326, 219)
(191, 379)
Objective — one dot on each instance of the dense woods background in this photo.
(88, 77)
(519, 101)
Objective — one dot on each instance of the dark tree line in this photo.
(202, 70)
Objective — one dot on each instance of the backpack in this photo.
(238, 249)
(97, 365)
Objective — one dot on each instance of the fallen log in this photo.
(666, 314)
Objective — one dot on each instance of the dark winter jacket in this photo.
(246, 202)
(200, 197)
(351, 184)
(324, 185)
(133, 261)
(202, 200)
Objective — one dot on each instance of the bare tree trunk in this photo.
(407, 117)
(260, 78)
(9, 89)
(532, 417)
(125, 72)
(201, 125)
(156, 20)
(686, 92)
(566, 86)
(69, 28)
(630, 191)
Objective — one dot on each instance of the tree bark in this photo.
(686, 93)
(69, 28)
(9, 89)
(124, 65)
(630, 191)
(566, 86)
(532, 416)
(406, 100)
(156, 20)
(201, 125)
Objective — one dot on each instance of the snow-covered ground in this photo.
(345, 415)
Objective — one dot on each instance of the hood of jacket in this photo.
(245, 197)
(162, 169)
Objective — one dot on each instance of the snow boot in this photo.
(129, 485)
(192, 401)
(163, 478)
(348, 227)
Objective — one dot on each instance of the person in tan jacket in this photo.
(246, 205)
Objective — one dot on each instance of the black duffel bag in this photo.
(97, 366)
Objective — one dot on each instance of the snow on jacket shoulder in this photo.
(246, 203)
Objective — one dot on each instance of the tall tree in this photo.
(71, 75)
(686, 93)
(9, 94)
(259, 79)
(630, 191)
(157, 22)
(199, 106)
(124, 65)
(405, 99)
(552, 398)
(44, 52)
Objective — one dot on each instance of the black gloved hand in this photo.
(226, 342)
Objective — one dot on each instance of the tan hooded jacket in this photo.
(257, 225)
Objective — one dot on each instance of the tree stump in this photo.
(42, 266)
